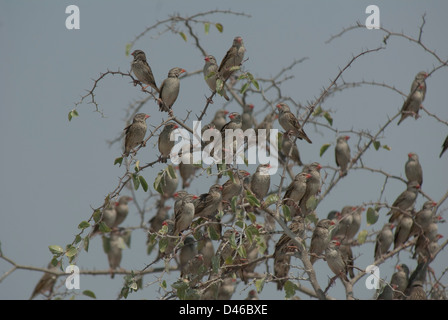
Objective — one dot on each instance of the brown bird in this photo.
(211, 74)
(349, 224)
(207, 203)
(165, 143)
(122, 209)
(417, 292)
(233, 58)
(335, 261)
(205, 247)
(384, 240)
(296, 191)
(412, 104)
(320, 239)
(232, 188)
(405, 201)
(287, 144)
(423, 218)
(444, 146)
(312, 185)
(403, 230)
(400, 279)
(160, 216)
(169, 90)
(220, 119)
(142, 70)
(47, 282)
(342, 154)
(261, 181)
(413, 169)
(113, 248)
(187, 252)
(135, 133)
(289, 122)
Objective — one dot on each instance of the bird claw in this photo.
(210, 100)
(136, 82)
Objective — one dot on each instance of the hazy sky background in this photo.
(53, 171)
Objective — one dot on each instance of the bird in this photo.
(252, 295)
(423, 218)
(113, 250)
(416, 291)
(247, 117)
(387, 293)
(234, 123)
(444, 146)
(335, 261)
(187, 169)
(155, 223)
(405, 201)
(233, 58)
(142, 70)
(211, 74)
(135, 133)
(342, 154)
(261, 181)
(349, 224)
(266, 124)
(283, 246)
(412, 104)
(296, 191)
(169, 90)
(413, 169)
(312, 184)
(122, 210)
(47, 281)
(347, 256)
(183, 212)
(226, 289)
(287, 144)
(426, 248)
(169, 185)
(194, 270)
(165, 144)
(400, 279)
(403, 230)
(219, 119)
(205, 247)
(320, 239)
(233, 187)
(207, 203)
(187, 252)
(384, 240)
(289, 122)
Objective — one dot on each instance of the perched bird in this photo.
(211, 75)
(135, 133)
(234, 123)
(220, 119)
(423, 218)
(169, 90)
(183, 213)
(387, 293)
(108, 217)
(122, 209)
(233, 58)
(187, 169)
(114, 250)
(233, 187)
(312, 184)
(194, 270)
(142, 70)
(226, 289)
(252, 295)
(412, 104)
(283, 246)
(247, 117)
(417, 292)
(208, 203)
(334, 216)
(444, 146)
(187, 252)
(349, 224)
(400, 280)
(426, 248)
(160, 216)
(169, 185)
(405, 201)
(289, 122)
(335, 261)
(287, 144)
(413, 169)
(403, 230)
(384, 240)
(165, 143)
(296, 191)
(267, 124)
(205, 247)
(47, 281)
(261, 181)
(320, 239)
(342, 154)
(347, 256)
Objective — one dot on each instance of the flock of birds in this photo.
(189, 234)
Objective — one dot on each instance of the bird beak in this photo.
(207, 59)
(279, 106)
(319, 167)
(251, 106)
(195, 197)
(332, 223)
(308, 176)
(117, 204)
(220, 187)
(130, 199)
(226, 112)
(434, 204)
(347, 137)
(232, 116)
(146, 117)
(176, 126)
(409, 155)
(182, 71)
(417, 186)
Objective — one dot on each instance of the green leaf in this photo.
(215, 263)
(233, 203)
(235, 68)
(56, 249)
(255, 83)
(183, 36)
(376, 144)
(83, 225)
(118, 160)
(163, 284)
(86, 243)
(137, 166)
(245, 87)
(286, 212)
(163, 244)
(128, 49)
(136, 181)
(242, 252)
(206, 27)
(311, 203)
(78, 239)
(252, 199)
(96, 215)
(290, 289)
(75, 113)
(318, 111)
(362, 236)
(89, 294)
(259, 284)
(159, 182)
(212, 233)
(329, 118)
(219, 27)
(143, 183)
(252, 217)
(172, 172)
(232, 241)
(324, 148)
(219, 85)
(271, 199)
(103, 227)
(372, 216)
(387, 147)
(71, 252)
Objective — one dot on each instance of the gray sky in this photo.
(53, 171)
